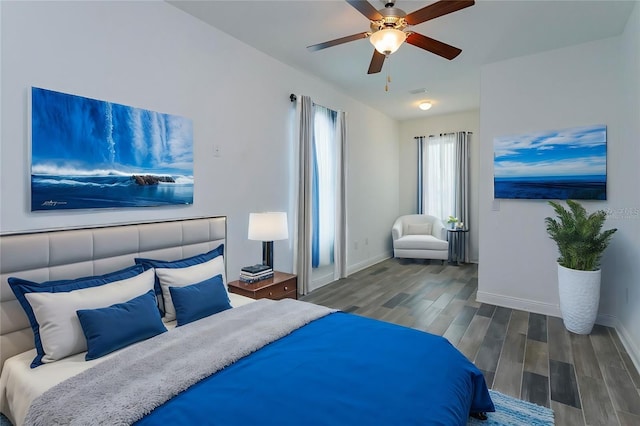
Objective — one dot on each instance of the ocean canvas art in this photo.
(555, 164)
(88, 153)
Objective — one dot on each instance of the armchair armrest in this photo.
(439, 230)
(396, 231)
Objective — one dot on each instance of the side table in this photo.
(457, 240)
(280, 286)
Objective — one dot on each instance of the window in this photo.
(439, 175)
(443, 178)
(323, 202)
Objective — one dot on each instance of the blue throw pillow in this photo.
(200, 300)
(180, 263)
(120, 325)
(22, 287)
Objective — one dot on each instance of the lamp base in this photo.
(267, 253)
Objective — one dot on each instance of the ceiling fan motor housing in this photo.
(392, 17)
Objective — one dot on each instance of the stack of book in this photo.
(254, 273)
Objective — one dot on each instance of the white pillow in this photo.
(419, 228)
(181, 277)
(60, 330)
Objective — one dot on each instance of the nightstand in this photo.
(281, 286)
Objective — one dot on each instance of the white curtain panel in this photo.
(439, 176)
(302, 243)
(326, 174)
(340, 251)
(420, 142)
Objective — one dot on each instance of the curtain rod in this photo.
(442, 134)
(294, 98)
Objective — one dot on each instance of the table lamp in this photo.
(268, 227)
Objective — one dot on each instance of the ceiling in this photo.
(487, 32)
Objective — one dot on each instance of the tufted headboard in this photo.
(73, 253)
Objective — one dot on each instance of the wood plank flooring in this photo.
(586, 380)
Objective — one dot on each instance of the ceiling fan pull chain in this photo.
(386, 85)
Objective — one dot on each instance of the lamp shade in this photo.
(425, 105)
(388, 40)
(270, 226)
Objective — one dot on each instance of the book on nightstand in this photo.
(249, 280)
(255, 269)
(252, 274)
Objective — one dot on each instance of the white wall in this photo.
(593, 83)
(154, 56)
(468, 121)
(624, 306)
(373, 171)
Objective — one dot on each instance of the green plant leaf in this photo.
(579, 236)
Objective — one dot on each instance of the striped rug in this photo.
(515, 412)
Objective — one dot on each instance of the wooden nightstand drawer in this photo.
(276, 291)
(281, 286)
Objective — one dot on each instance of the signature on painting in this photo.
(51, 203)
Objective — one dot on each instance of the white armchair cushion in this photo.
(419, 228)
(420, 242)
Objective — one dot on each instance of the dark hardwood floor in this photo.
(586, 380)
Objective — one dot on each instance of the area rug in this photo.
(515, 412)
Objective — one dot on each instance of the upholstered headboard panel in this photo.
(73, 253)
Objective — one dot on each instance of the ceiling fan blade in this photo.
(376, 62)
(366, 9)
(337, 41)
(433, 46)
(436, 9)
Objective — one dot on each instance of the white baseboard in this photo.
(352, 269)
(631, 348)
(325, 279)
(321, 281)
(608, 320)
(518, 303)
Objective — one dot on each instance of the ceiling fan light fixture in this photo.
(425, 105)
(387, 40)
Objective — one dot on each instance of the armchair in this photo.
(419, 236)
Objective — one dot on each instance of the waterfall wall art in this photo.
(87, 154)
(555, 164)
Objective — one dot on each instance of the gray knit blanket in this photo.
(126, 387)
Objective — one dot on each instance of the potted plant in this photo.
(581, 242)
(452, 221)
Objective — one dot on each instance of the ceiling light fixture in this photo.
(388, 40)
(425, 105)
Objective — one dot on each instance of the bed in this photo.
(200, 362)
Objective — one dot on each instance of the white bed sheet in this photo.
(20, 384)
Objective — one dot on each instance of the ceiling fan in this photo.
(388, 29)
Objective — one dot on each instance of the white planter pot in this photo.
(579, 298)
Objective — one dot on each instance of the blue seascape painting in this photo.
(87, 153)
(559, 164)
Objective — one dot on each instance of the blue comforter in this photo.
(342, 369)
